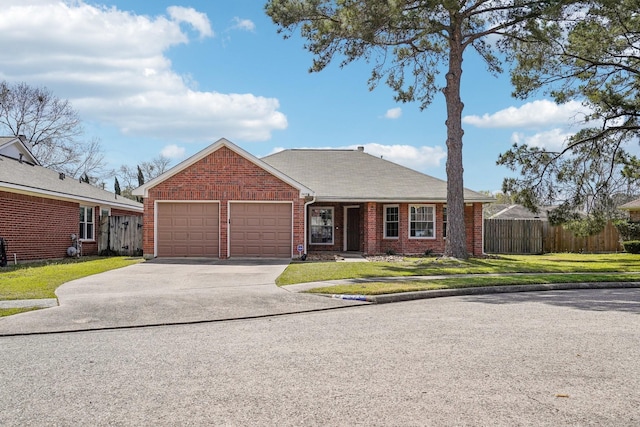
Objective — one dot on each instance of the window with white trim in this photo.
(86, 223)
(391, 221)
(422, 223)
(321, 226)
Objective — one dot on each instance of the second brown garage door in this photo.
(188, 230)
(260, 230)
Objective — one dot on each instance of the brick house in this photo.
(40, 208)
(224, 202)
(633, 207)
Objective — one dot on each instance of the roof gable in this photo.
(16, 147)
(352, 175)
(143, 189)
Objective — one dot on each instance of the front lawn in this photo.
(300, 272)
(478, 280)
(40, 280)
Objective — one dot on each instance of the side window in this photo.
(391, 221)
(86, 223)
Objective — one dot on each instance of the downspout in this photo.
(306, 221)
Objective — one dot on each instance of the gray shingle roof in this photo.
(503, 211)
(344, 175)
(37, 179)
(633, 205)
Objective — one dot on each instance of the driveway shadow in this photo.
(622, 300)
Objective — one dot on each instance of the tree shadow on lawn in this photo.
(623, 300)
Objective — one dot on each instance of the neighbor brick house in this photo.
(224, 202)
(633, 207)
(40, 209)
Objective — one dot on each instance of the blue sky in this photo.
(171, 77)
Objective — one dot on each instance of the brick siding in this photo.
(38, 228)
(222, 176)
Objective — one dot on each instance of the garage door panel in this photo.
(269, 236)
(254, 236)
(188, 229)
(255, 222)
(260, 229)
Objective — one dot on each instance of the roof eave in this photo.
(340, 199)
(66, 196)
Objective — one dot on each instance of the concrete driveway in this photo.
(169, 291)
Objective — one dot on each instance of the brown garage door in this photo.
(188, 230)
(260, 230)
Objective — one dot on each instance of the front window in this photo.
(391, 221)
(86, 223)
(321, 226)
(421, 221)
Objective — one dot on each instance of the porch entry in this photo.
(352, 228)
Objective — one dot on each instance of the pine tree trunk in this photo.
(456, 244)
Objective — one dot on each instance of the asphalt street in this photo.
(557, 358)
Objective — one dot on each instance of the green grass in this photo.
(11, 311)
(300, 272)
(40, 280)
(380, 288)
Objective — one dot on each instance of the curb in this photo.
(484, 290)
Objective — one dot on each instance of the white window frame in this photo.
(384, 210)
(433, 221)
(311, 225)
(83, 225)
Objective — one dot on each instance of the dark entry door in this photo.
(353, 229)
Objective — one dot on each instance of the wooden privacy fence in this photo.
(508, 236)
(120, 235)
(533, 236)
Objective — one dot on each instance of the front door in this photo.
(353, 229)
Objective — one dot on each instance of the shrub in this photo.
(390, 252)
(632, 246)
(629, 230)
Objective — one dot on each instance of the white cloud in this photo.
(536, 114)
(197, 20)
(243, 24)
(393, 113)
(552, 140)
(418, 158)
(172, 151)
(111, 65)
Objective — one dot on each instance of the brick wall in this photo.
(36, 228)
(403, 244)
(372, 230)
(222, 176)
